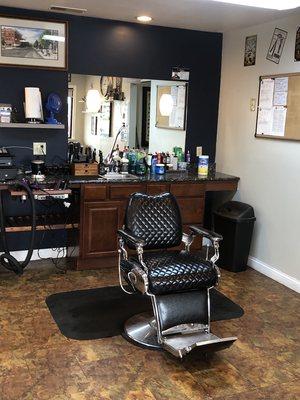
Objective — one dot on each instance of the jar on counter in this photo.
(160, 169)
(203, 165)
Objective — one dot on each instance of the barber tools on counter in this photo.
(82, 162)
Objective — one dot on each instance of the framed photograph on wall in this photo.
(250, 50)
(33, 43)
(277, 45)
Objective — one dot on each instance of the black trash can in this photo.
(234, 221)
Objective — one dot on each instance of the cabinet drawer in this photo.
(124, 191)
(192, 209)
(94, 192)
(187, 189)
(157, 189)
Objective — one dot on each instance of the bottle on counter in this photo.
(159, 158)
(174, 161)
(132, 161)
(124, 165)
(94, 155)
(153, 163)
(188, 157)
(168, 158)
(149, 160)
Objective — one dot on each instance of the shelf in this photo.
(20, 125)
(43, 222)
(14, 229)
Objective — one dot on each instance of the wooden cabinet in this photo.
(157, 188)
(103, 210)
(192, 209)
(101, 220)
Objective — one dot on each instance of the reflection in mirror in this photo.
(147, 113)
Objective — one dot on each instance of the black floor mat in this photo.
(100, 313)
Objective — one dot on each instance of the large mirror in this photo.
(151, 113)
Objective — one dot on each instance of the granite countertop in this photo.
(168, 177)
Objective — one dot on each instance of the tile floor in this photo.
(38, 363)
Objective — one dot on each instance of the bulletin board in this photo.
(178, 115)
(278, 111)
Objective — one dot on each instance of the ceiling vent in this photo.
(68, 10)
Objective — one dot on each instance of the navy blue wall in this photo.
(105, 47)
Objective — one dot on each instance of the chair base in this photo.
(141, 329)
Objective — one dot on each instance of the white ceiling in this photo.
(204, 15)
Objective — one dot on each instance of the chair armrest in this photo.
(129, 238)
(213, 236)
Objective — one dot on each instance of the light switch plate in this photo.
(252, 104)
(39, 148)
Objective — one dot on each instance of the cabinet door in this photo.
(99, 228)
(192, 209)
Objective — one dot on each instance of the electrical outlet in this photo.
(39, 148)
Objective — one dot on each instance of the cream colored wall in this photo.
(269, 169)
(163, 139)
(78, 82)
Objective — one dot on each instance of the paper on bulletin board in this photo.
(280, 98)
(281, 91)
(279, 119)
(266, 93)
(264, 121)
(176, 119)
(281, 84)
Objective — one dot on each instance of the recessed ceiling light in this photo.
(144, 18)
(271, 4)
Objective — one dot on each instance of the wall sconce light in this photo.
(93, 100)
(166, 104)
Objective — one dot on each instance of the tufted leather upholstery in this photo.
(174, 271)
(155, 219)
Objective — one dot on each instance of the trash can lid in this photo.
(235, 210)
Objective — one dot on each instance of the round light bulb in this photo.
(93, 100)
(166, 104)
(144, 18)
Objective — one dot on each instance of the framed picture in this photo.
(250, 50)
(33, 43)
(297, 45)
(276, 45)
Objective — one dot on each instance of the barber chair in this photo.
(177, 281)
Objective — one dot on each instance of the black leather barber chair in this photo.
(178, 282)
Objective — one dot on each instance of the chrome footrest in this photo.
(141, 329)
(180, 345)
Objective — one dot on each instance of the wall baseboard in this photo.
(274, 273)
(43, 253)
